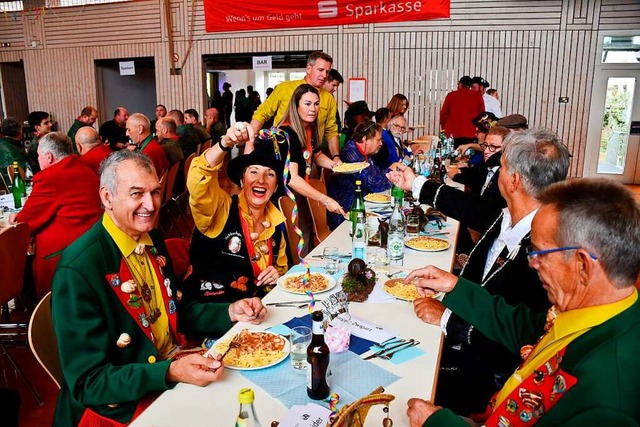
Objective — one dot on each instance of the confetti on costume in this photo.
(277, 137)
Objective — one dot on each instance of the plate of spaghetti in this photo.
(427, 244)
(319, 283)
(404, 291)
(350, 167)
(256, 350)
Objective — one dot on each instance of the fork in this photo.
(389, 355)
(235, 343)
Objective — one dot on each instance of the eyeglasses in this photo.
(492, 148)
(531, 254)
(401, 128)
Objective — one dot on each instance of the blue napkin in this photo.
(356, 344)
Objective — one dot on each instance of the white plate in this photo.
(361, 165)
(406, 243)
(388, 292)
(286, 351)
(280, 283)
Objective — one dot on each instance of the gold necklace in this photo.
(146, 291)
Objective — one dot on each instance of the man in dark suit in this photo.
(118, 312)
(583, 370)
(114, 132)
(63, 205)
(472, 366)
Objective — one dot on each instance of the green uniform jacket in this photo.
(71, 133)
(604, 360)
(10, 152)
(88, 319)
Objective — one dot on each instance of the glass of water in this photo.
(330, 257)
(300, 339)
(382, 262)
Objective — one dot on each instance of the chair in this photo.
(14, 243)
(3, 185)
(318, 213)
(10, 172)
(286, 207)
(42, 340)
(205, 146)
(167, 193)
(178, 249)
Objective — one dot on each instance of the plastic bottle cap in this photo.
(358, 182)
(246, 395)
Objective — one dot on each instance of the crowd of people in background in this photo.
(512, 214)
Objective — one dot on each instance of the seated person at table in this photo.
(483, 123)
(118, 312)
(63, 204)
(90, 147)
(366, 142)
(392, 150)
(11, 147)
(472, 367)
(300, 124)
(238, 245)
(481, 181)
(581, 367)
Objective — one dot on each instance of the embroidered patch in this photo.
(234, 244)
(172, 307)
(115, 280)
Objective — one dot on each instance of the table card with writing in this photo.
(309, 415)
(363, 329)
(334, 305)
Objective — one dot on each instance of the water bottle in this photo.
(247, 414)
(359, 238)
(395, 241)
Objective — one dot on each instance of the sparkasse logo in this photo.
(328, 8)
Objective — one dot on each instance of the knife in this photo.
(384, 350)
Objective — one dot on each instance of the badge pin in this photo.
(306, 154)
(124, 340)
(143, 321)
(128, 287)
(115, 280)
(172, 307)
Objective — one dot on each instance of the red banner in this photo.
(250, 15)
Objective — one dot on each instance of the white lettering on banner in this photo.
(382, 8)
(328, 9)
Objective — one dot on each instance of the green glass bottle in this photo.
(18, 188)
(357, 206)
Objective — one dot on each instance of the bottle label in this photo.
(317, 328)
(358, 251)
(396, 247)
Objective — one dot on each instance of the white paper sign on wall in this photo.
(262, 63)
(127, 68)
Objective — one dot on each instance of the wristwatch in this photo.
(222, 147)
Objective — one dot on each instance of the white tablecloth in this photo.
(217, 404)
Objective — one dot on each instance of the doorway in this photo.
(137, 92)
(613, 142)
(14, 91)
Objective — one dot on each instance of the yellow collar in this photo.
(125, 243)
(272, 214)
(569, 322)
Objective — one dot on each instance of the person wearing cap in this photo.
(366, 142)
(317, 72)
(119, 315)
(514, 122)
(483, 122)
(356, 113)
(458, 110)
(491, 104)
(238, 248)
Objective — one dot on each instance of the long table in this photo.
(217, 404)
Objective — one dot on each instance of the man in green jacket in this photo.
(118, 312)
(11, 147)
(88, 117)
(585, 369)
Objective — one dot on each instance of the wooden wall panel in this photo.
(532, 51)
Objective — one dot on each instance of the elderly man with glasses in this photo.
(580, 364)
(393, 149)
(472, 366)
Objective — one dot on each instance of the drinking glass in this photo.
(373, 237)
(370, 255)
(330, 257)
(413, 225)
(382, 262)
(300, 339)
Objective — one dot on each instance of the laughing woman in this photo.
(300, 124)
(238, 245)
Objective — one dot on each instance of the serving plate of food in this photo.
(319, 283)
(407, 292)
(427, 244)
(350, 167)
(255, 350)
(378, 198)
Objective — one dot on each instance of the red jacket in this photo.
(95, 156)
(459, 108)
(63, 205)
(158, 157)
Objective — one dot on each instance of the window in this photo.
(621, 50)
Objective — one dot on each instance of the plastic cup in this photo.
(300, 339)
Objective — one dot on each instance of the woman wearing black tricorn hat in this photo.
(238, 246)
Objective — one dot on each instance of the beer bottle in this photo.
(318, 360)
(247, 414)
(18, 188)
